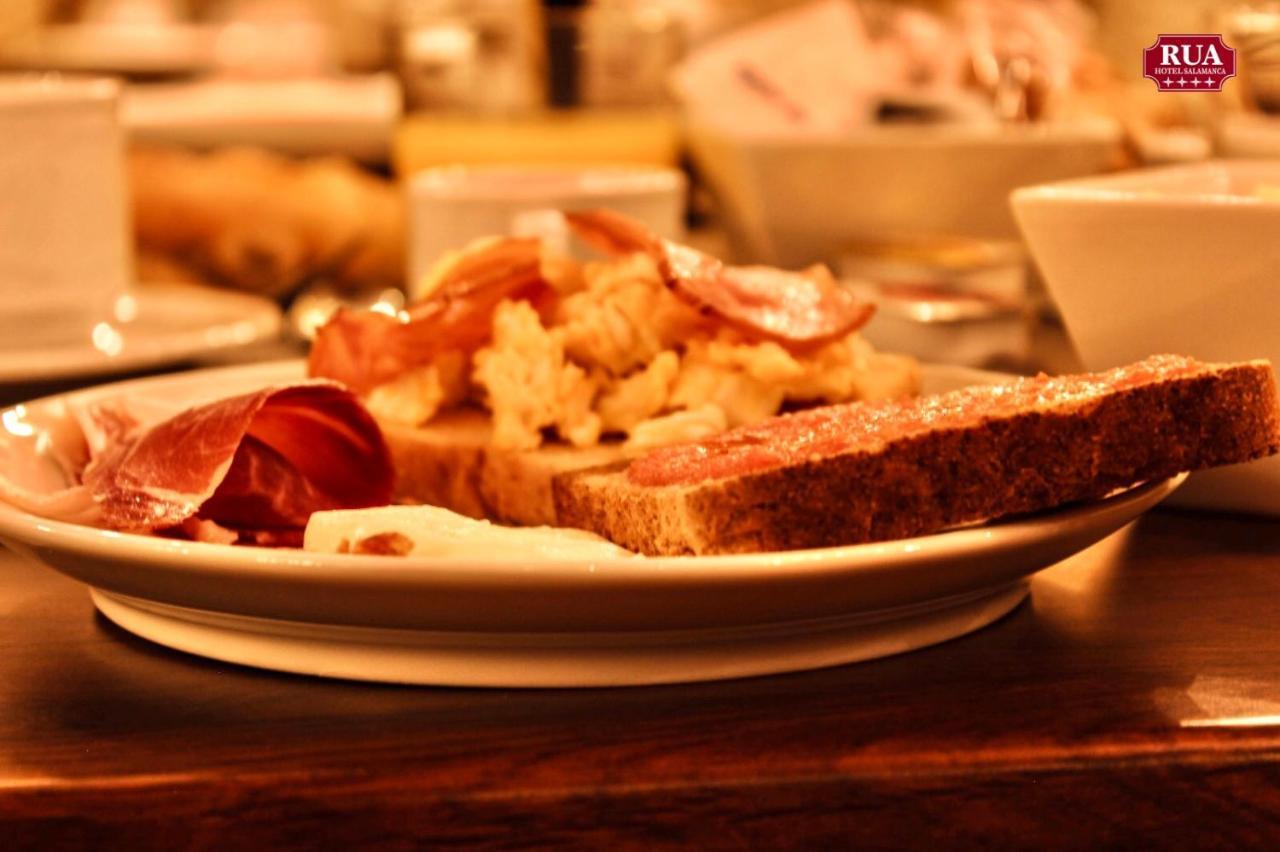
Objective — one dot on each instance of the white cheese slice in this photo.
(432, 531)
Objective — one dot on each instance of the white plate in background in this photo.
(307, 116)
(152, 325)
(488, 622)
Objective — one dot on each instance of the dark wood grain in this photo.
(1063, 725)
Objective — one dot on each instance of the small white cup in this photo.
(65, 246)
(449, 207)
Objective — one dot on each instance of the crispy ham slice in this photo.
(363, 349)
(252, 467)
(799, 308)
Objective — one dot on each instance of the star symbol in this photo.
(1168, 81)
(1195, 82)
(1182, 82)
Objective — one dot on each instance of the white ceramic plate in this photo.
(489, 622)
(152, 325)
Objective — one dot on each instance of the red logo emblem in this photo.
(1189, 63)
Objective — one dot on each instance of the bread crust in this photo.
(1024, 462)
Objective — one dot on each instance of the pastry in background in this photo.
(256, 221)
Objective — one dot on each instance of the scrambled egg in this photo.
(621, 356)
(416, 396)
(624, 317)
(530, 385)
(701, 422)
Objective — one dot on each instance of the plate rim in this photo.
(557, 660)
(259, 314)
(33, 530)
(624, 571)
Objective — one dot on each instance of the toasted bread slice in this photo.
(449, 462)
(868, 472)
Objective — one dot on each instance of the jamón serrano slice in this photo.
(258, 464)
(801, 308)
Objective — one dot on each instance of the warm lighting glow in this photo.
(446, 45)
(1234, 722)
(14, 423)
(126, 308)
(107, 340)
(1226, 702)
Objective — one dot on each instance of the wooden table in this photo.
(1135, 700)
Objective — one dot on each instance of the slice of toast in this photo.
(449, 463)
(869, 472)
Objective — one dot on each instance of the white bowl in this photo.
(793, 200)
(1181, 259)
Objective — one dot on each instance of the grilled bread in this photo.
(865, 472)
(451, 462)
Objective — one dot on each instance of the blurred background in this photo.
(273, 144)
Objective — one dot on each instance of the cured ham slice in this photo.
(253, 466)
(802, 308)
(363, 349)
(40, 454)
